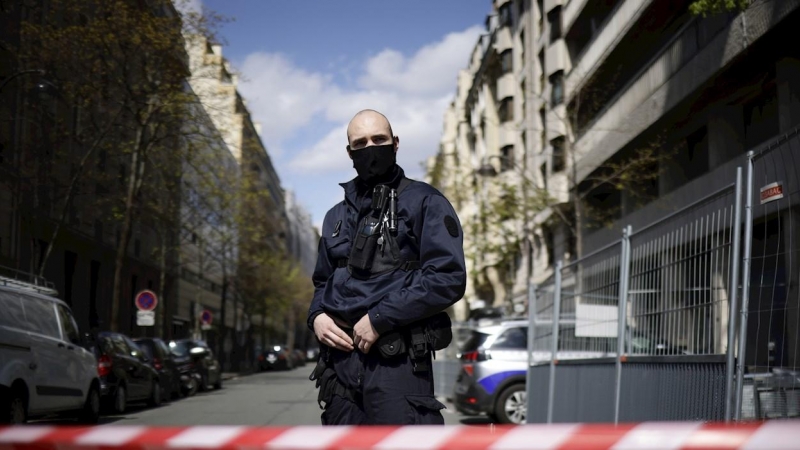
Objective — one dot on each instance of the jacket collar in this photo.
(354, 187)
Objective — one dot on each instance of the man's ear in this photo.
(396, 143)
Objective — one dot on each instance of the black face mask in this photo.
(372, 162)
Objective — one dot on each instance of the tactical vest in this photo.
(386, 257)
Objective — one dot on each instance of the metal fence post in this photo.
(734, 290)
(748, 241)
(531, 340)
(554, 345)
(624, 270)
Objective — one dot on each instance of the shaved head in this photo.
(367, 128)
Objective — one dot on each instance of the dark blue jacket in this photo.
(424, 234)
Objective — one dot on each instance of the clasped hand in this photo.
(328, 333)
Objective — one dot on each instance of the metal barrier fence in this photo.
(651, 326)
(768, 371)
(646, 317)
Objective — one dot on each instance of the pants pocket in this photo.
(424, 410)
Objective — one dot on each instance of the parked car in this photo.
(202, 357)
(126, 374)
(164, 362)
(43, 367)
(492, 377)
(275, 358)
(312, 354)
(298, 358)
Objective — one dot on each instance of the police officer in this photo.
(379, 281)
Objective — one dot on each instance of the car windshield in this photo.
(147, 347)
(180, 348)
(475, 340)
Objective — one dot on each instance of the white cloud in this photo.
(412, 91)
(430, 71)
(281, 96)
(189, 6)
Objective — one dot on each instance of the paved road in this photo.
(269, 398)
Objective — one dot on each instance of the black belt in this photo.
(408, 265)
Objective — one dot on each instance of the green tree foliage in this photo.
(709, 7)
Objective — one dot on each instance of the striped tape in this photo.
(773, 435)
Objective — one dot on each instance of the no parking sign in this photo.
(146, 300)
(205, 320)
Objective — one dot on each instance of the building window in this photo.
(522, 48)
(542, 71)
(556, 88)
(506, 61)
(540, 10)
(506, 110)
(559, 160)
(554, 20)
(543, 171)
(505, 15)
(523, 87)
(543, 125)
(98, 229)
(472, 142)
(507, 158)
(761, 117)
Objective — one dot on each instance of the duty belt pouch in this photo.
(392, 344)
(439, 331)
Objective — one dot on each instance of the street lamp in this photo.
(19, 73)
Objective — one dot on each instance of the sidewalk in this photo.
(227, 376)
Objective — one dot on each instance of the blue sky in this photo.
(307, 66)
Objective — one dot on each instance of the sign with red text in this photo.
(772, 192)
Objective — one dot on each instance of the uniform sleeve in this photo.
(444, 274)
(322, 272)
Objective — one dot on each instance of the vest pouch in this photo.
(363, 250)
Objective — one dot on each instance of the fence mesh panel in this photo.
(680, 281)
(772, 340)
(589, 300)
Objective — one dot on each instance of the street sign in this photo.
(205, 320)
(145, 318)
(146, 300)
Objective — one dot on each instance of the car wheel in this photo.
(14, 408)
(155, 394)
(120, 399)
(90, 413)
(194, 386)
(512, 405)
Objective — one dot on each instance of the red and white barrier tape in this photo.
(773, 435)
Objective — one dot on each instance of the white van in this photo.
(44, 369)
